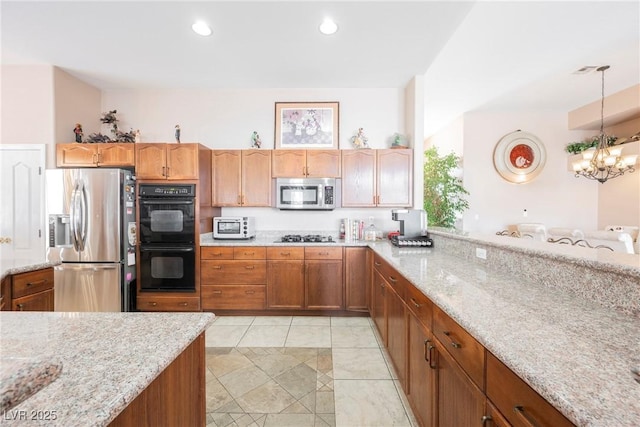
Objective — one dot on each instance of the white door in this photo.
(22, 214)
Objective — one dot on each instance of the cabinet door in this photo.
(358, 178)
(151, 161)
(420, 376)
(289, 163)
(76, 155)
(41, 301)
(323, 163)
(324, 290)
(285, 284)
(395, 177)
(355, 279)
(116, 155)
(378, 297)
(225, 165)
(397, 335)
(256, 178)
(460, 401)
(182, 161)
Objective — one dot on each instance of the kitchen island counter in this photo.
(107, 360)
(577, 354)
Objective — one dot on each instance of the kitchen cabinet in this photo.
(516, 401)
(160, 161)
(95, 155)
(241, 177)
(421, 377)
(378, 297)
(186, 302)
(306, 163)
(356, 284)
(323, 278)
(233, 278)
(459, 401)
(373, 178)
(285, 278)
(31, 291)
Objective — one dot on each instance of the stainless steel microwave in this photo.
(234, 227)
(307, 193)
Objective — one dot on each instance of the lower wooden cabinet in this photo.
(233, 297)
(323, 283)
(459, 401)
(168, 303)
(356, 285)
(421, 374)
(378, 301)
(30, 291)
(285, 284)
(397, 334)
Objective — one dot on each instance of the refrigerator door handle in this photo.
(73, 211)
(84, 219)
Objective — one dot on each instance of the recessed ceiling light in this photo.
(328, 27)
(201, 28)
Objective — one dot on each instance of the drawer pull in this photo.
(217, 267)
(430, 348)
(37, 283)
(217, 292)
(377, 264)
(249, 292)
(485, 419)
(285, 253)
(415, 303)
(153, 303)
(250, 267)
(217, 254)
(393, 279)
(20, 307)
(323, 253)
(453, 343)
(183, 304)
(526, 419)
(249, 253)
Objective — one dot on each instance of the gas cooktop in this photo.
(308, 238)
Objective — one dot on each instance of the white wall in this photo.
(226, 118)
(555, 197)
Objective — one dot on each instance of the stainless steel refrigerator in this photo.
(92, 232)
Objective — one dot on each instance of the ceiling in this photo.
(474, 55)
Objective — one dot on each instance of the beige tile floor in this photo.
(299, 371)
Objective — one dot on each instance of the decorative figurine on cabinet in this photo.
(136, 135)
(399, 141)
(78, 132)
(178, 134)
(360, 140)
(255, 140)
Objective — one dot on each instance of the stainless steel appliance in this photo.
(167, 237)
(234, 227)
(92, 232)
(307, 193)
(413, 228)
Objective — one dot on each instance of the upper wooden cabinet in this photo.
(377, 178)
(306, 163)
(168, 161)
(241, 177)
(95, 155)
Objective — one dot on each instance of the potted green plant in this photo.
(443, 191)
(585, 144)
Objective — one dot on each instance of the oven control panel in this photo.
(167, 190)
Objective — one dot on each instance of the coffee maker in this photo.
(413, 228)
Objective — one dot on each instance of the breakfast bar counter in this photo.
(93, 365)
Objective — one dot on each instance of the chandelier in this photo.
(602, 162)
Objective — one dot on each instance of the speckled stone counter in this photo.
(272, 238)
(21, 265)
(21, 377)
(576, 353)
(107, 360)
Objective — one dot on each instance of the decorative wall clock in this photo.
(519, 157)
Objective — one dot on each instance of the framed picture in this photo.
(307, 125)
(519, 157)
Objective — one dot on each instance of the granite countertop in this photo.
(106, 360)
(271, 238)
(23, 265)
(577, 354)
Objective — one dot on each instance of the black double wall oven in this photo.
(167, 237)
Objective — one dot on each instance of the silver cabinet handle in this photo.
(525, 417)
(453, 343)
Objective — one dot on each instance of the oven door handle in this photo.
(166, 202)
(164, 248)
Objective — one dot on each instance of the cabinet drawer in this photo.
(519, 403)
(41, 301)
(168, 303)
(420, 305)
(397, 282)
(285, 252)
(461, 345)
(322, 252)
(233, 272)
(234, 297)
(32, 282)
(250, 252)
(216, 252)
